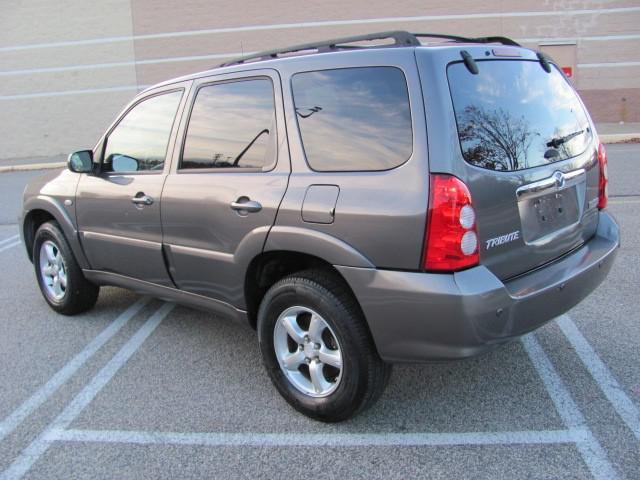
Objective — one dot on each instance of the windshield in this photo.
(513, 115)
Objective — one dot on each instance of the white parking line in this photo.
(40, 445)
(577, 431)
(10, 239)
(14, 419)
(11, 245)
(131, 63)
(72, 92)
(590, 449)
(327, 23)
(616, 395)
(254, 439)
(608, 64)
(624, 202)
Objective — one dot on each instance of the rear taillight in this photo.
(451, 241)
(603, 185)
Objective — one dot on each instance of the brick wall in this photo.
(68, 67)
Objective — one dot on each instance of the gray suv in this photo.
(360, 202)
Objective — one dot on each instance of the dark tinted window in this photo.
(354, 118)
(514, 115)
(140, 140)
(231, 125)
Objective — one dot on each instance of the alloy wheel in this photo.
(52, 271)
(308, 351)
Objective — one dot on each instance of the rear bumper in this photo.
(421, 316)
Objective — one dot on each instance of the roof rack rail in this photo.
(456, 38)
(400, 39)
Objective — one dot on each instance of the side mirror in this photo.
(81, 162)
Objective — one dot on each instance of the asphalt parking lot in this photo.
(140, 388)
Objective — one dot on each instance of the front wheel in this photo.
(59, 276)
(317, 348)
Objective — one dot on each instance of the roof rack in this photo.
(456, 38)
(400, 39)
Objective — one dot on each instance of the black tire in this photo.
(364, 375)
(79, 294)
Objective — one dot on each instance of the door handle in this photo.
(244, 204)
(142, 199)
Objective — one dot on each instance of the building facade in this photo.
(68, 67)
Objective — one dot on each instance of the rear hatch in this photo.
(530, 161)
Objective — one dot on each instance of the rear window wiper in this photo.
(556, 142)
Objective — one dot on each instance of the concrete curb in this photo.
(32, 166)
(619, 137)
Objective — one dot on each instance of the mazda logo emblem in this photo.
(559, 178)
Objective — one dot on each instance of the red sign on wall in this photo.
(568, 71)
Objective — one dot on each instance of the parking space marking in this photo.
(15, 418)
(40, 445)
(11, 245)
(592, 452)
(623, 405)
(253, 439)
(624, 202)
(577, 432)
(10, 239)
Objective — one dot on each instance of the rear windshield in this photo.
(513, 115)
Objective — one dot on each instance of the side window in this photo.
(354, 119)
(139, 142)
(232, 125)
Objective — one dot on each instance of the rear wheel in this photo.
(59, 276)
(317, 348)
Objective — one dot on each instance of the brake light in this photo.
(603, 184)
(451, 241)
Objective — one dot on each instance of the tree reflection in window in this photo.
(495, 139)
(515, 115)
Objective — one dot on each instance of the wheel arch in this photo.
(317, 244)
(43, 209)
(269, 267)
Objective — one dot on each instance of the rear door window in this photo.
(513, 115)
(354, 119)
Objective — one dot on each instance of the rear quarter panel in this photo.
(379, 214)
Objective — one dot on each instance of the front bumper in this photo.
(417, 317)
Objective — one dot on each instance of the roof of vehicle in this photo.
(390, 40)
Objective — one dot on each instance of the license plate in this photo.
(549, 213)
(552, 209)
